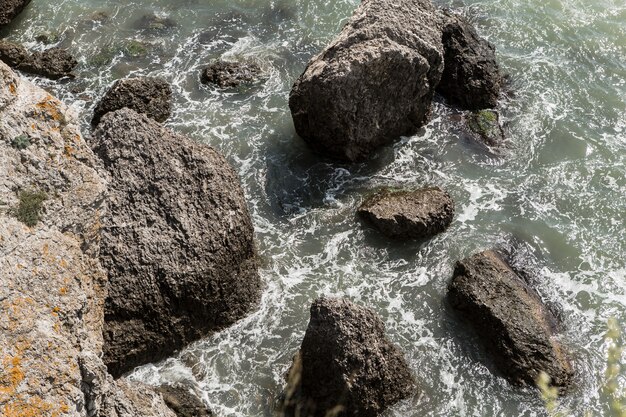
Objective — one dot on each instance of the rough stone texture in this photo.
(515, 326)
(52, 287)
(471, 77)
(409, 214)
(148, 95)
(373, 83)
(183, 402)
(177, 242)
(9, 9)
(230, 74)
(484, 126)
(12, 54)
(347, 361)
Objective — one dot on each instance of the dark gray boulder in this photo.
(52, 63)
(151, 96)
(176, 242)
(9, 9)
(471, 76)
(409, 214)
(183, 402)
(484, 126)
(517, 329)
(12, 54)
(230, 74)
(373, 83)
(347, 364)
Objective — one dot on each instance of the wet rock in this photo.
(346, 364)
(183, 402)
(409, 214)
(177, 241)
(373, 83)
(52, 63)
(147, 95)
(12, 54)
(509, 316)
(153, 23)
(52, 286)
(485, 127)
(9, 9)
(471, 77)
(230, 74)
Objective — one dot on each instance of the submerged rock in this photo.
(510, 318)
(346, 364)
(471, 76)
(409, 214)
(52, 63)
(373, 83)
(52, 286)
(9, 9)
(148, 95)
(177, 242)
(183, 402)
(230, 74)
(485, 126)
(152, 22)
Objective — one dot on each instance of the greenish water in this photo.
(559, 186)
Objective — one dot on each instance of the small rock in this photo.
(346, 364)
(148, 95)
(485, 126)
(409, 214)
(152, 22)
(12, 54)
(52, 63)
(230, 74)
(471, 76)
(9, 9)
(510, 318)
(183, 402)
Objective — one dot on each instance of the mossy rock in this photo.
(21, 142)
(30, 207)
(48, 38)
(486, 124)
(135, 48)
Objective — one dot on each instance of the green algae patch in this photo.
(486, 124)
(30, 207)
(21, 142)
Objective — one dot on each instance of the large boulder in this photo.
(183, 401)
(52, 63)
(373, 83)
(346, 364)
(9, 9)
(177, 242)
(52, 286)
(12, 54)
(471, 76)
(151, 96)
(510, 318)
(409, 214)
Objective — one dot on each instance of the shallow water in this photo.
(559, 186)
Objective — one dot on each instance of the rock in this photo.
(346, 363)
(52, 286)
(230, 74)
(183, 402)
(509, 316)
(52, 63)
(148, 95)
(373, 83)
(9, 9)
(12, 54)
(152, 22)
(471, 77)
(177, 242)
(485, 127)
(409, 214)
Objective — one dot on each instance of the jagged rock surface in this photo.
(347, 361)
(177, 242)
(471, 76)
(9, 9)
(52, 287)
(510, 318)
(52, 63)
(373, 83)
(148, 95)
(409, 214)
(230, 74)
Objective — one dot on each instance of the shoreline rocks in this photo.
(226, 74)
(177, 241)
(517, 329)
(53, 63)
(147, 95)
(409, 214)
(373, 83)
(346, 364)
(471, 77)
(9, 9)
